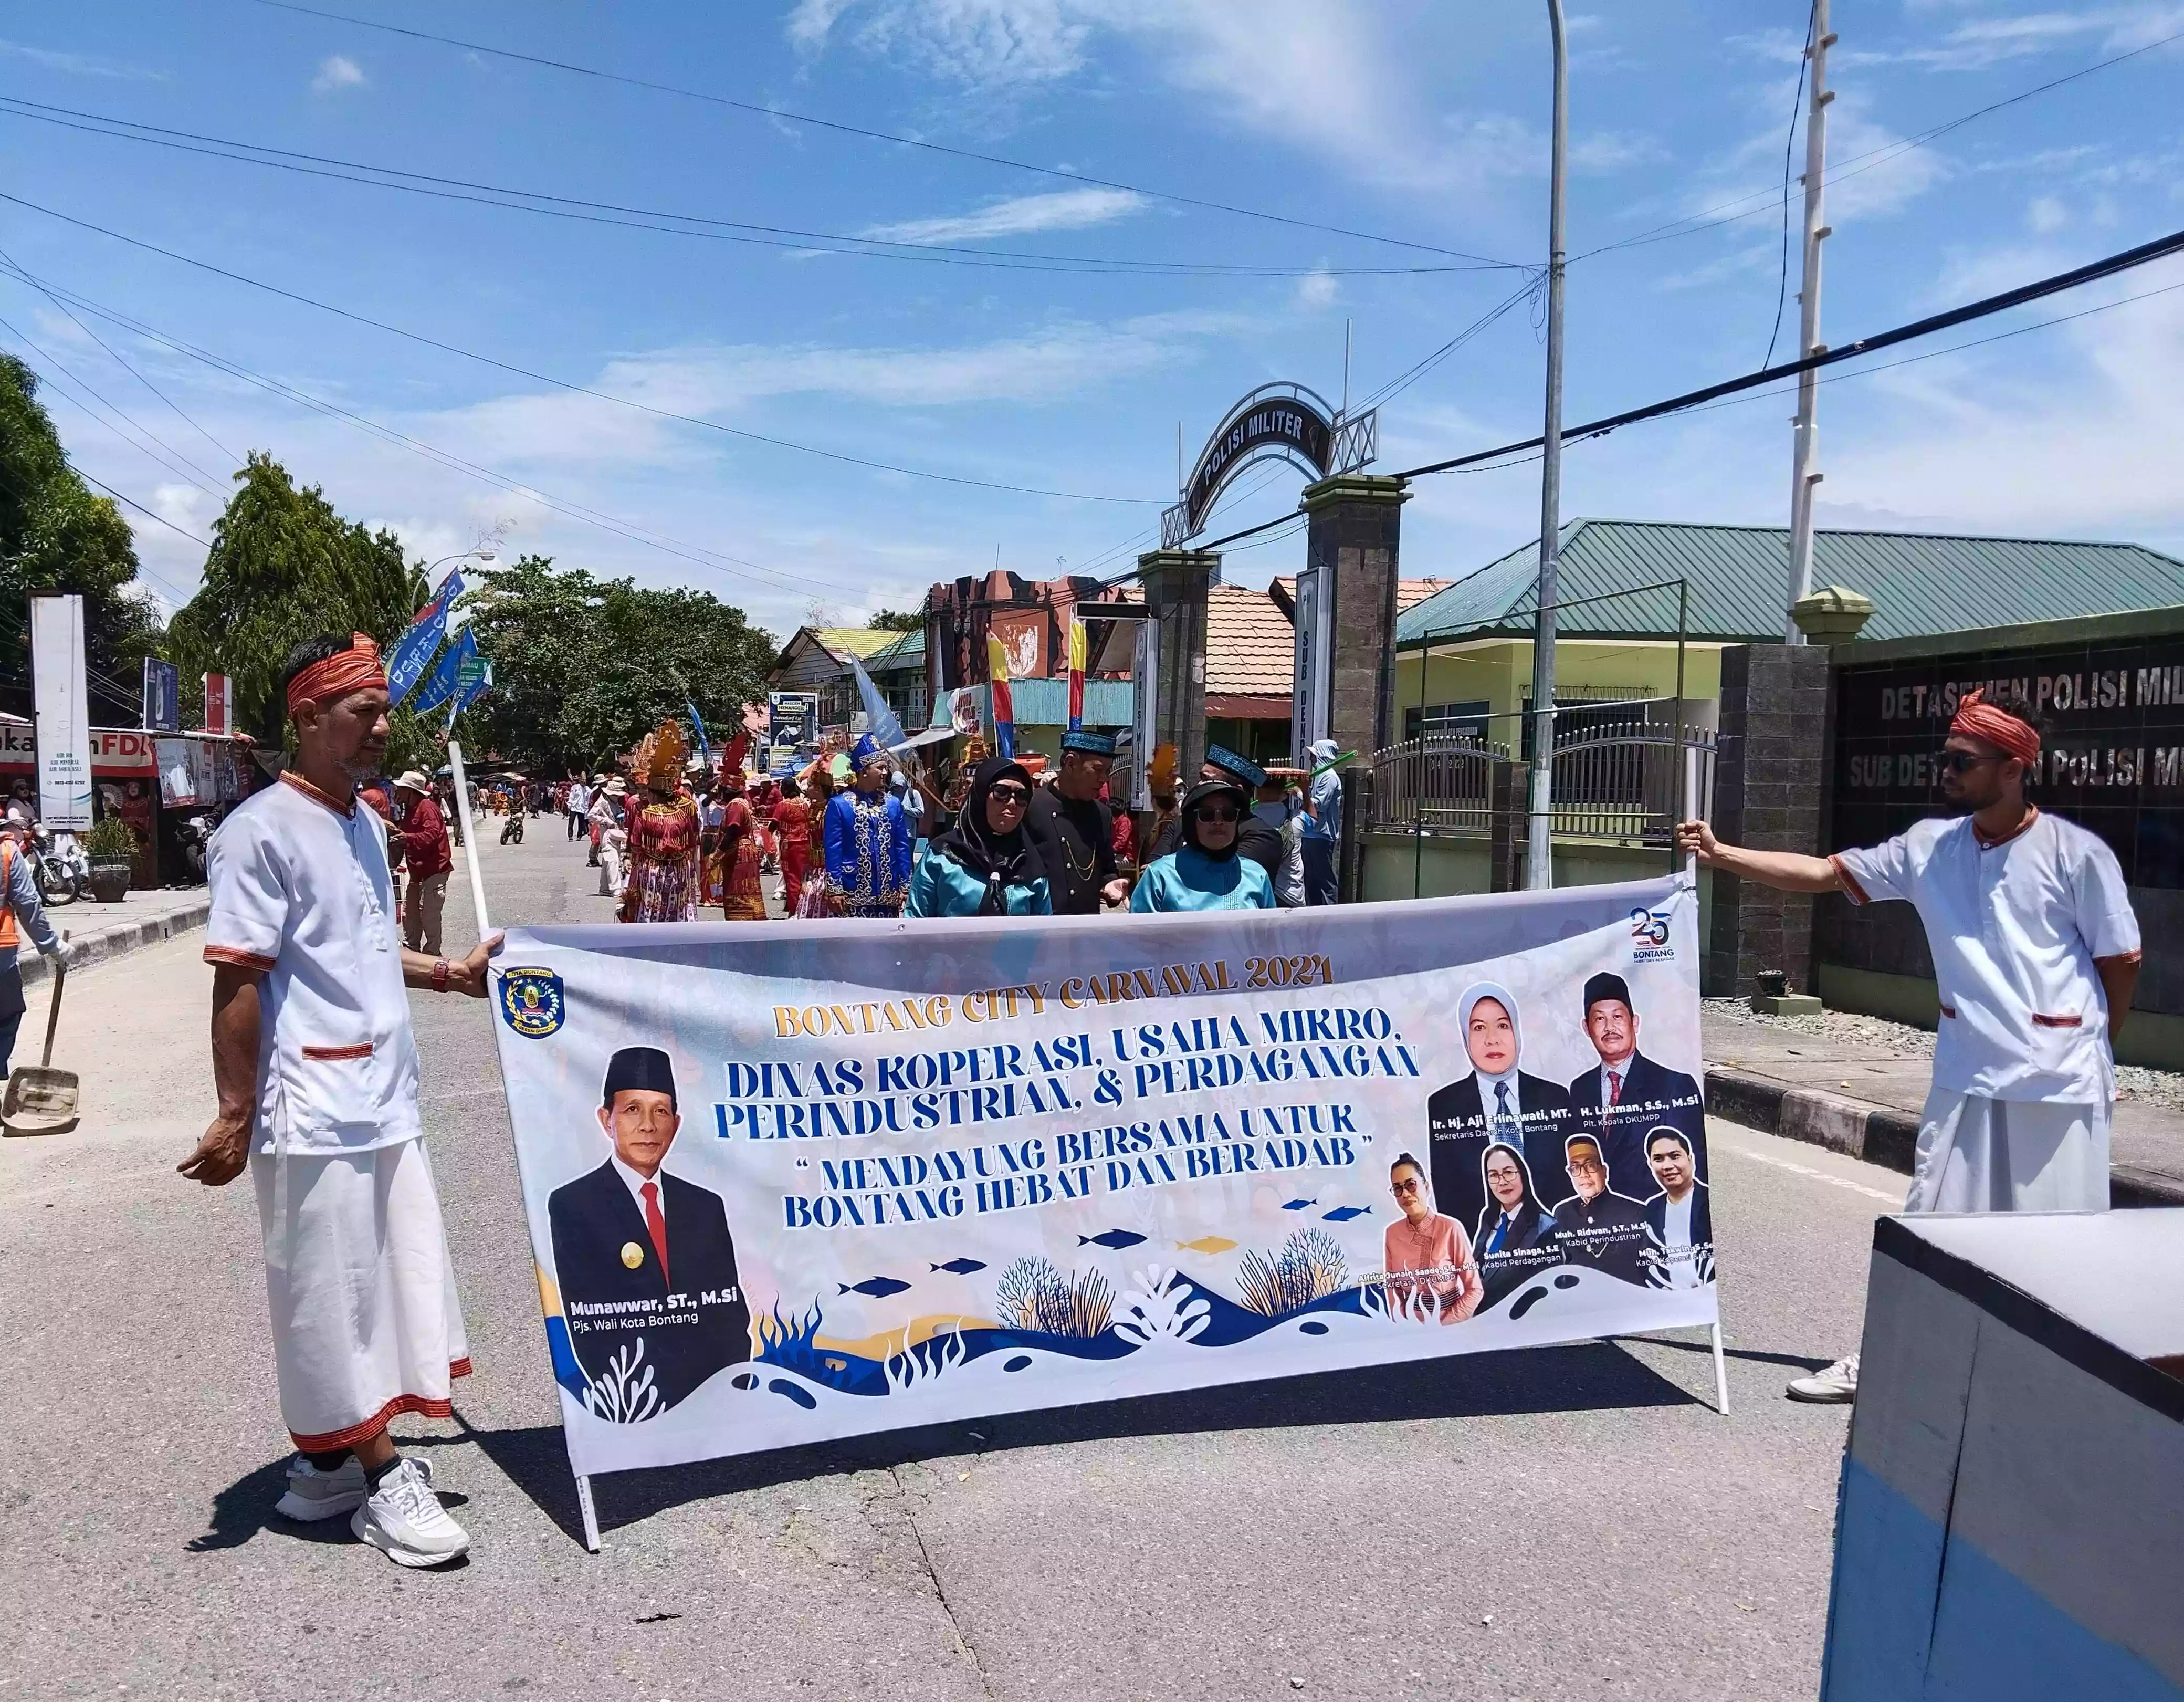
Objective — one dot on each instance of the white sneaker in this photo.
(404, 1520)
(314, 1494)
(1835, 1386)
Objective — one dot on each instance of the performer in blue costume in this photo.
(868, 840)
(1204, 872)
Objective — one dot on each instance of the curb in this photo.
(119, 940)
(1878, 1134)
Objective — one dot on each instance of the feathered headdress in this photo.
(659, 754)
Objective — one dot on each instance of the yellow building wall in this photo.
(1499, 672)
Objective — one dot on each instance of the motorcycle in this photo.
(58, 872)
(195, 833)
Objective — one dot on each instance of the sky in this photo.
(1103, 222)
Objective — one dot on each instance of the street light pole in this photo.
(1539, 862)
(1803, 478)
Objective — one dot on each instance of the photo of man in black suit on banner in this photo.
(644, 1259)
(1627, 1095)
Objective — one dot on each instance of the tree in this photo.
(58, 535)
(897, 621)
(583, 667)
(283, 567)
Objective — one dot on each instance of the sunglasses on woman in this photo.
(1016, 797)
(1221, 813)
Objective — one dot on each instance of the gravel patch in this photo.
(2164, 1087)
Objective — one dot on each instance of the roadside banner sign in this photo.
(163, 696)
(448, 675)
(909, 1173)
(414, 649)
(219, 704)
(62, 704)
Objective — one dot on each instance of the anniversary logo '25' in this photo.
(531, 1002)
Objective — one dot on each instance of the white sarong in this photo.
(1977, 1154)
(365, 1322)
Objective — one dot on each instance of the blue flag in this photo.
(406, 666)
(441, 685)
(474, 678)
(698, 727)
(880, 721)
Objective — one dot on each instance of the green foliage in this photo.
(108, 840)
(584, 667)
(283, 567)
(58, 535)
(897, 621)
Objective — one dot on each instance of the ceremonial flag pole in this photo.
(1003, 708)
(1694, 808)
(1076, 653)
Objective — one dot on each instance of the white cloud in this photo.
(1607, 151)
(80, 64)
(1064, 210)
(338, 72)
(2047, 214)
(1317, 289)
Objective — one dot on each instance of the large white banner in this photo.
(787, 1181)
(63, 706)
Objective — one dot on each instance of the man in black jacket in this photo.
(1497, 1101)
(1073, 830)
(1626, 1094)
(1601, 1230)
(1679, 1217)
(644, 1259)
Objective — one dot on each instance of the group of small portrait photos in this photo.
(1606, 1173)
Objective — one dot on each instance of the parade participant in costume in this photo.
(1427, 1259)
(712, 811)
(576, 799)
(2036, 952)
(604, 812)
(316, 1074)
(662, 883)
(429, 859)
(613, 837)
(1075, 832)
(792, 828)
(1205, 872)
(986, 864)
(1256, 841)
(868, 840)
(743, 895)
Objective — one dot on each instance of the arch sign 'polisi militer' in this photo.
(785, 1183)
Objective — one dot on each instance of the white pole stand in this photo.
(1720, 1375)
(470, 837)
(591, 1515)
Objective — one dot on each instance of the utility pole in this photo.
(1538, 862)
(1803, 478)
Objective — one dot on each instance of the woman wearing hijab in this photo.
(1496, 1100)
(1204, 872)
(1516, 1233)
(985, 865)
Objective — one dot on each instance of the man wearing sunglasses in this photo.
(2036, 951)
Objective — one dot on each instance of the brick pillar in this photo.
(1768, 783)
(1176, 582)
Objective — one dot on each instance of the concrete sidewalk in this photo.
(1860, 1093)
(100, 931)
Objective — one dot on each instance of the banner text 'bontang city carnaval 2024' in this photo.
(787, 1182)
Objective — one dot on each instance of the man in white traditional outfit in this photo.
(2036, 952)
(316, 1074)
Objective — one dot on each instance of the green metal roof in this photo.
(908, 650)
(1920, 583)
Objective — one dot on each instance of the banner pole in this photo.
(469, 836)
(591, 1515)
(1720, 1384)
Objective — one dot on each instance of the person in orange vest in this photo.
(20, 912)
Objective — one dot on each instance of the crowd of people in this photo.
(856, 833)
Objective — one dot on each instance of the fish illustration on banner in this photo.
(1003, 706)
(1049, 1165)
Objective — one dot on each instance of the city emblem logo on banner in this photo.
(1649, 936)
(531, 1000)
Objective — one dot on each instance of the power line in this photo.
(1856, 163)
(783, 114)
(563, 383)
(1403, 381)
(646, 218)
(195, 475)
(2160, 248)
(626, 529)
(1790, 137)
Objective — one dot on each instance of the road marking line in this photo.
(1896, 1200)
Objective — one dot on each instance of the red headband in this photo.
(353, 669)
(1977, 719)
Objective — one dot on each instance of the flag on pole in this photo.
(880, 721)
(476, 679)
(1077, 649)
(414, 649)
(219, 704)
(1003, 708)
(698, 727)
(442, 684)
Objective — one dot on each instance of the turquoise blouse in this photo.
(1189, 880)
(941, 886)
